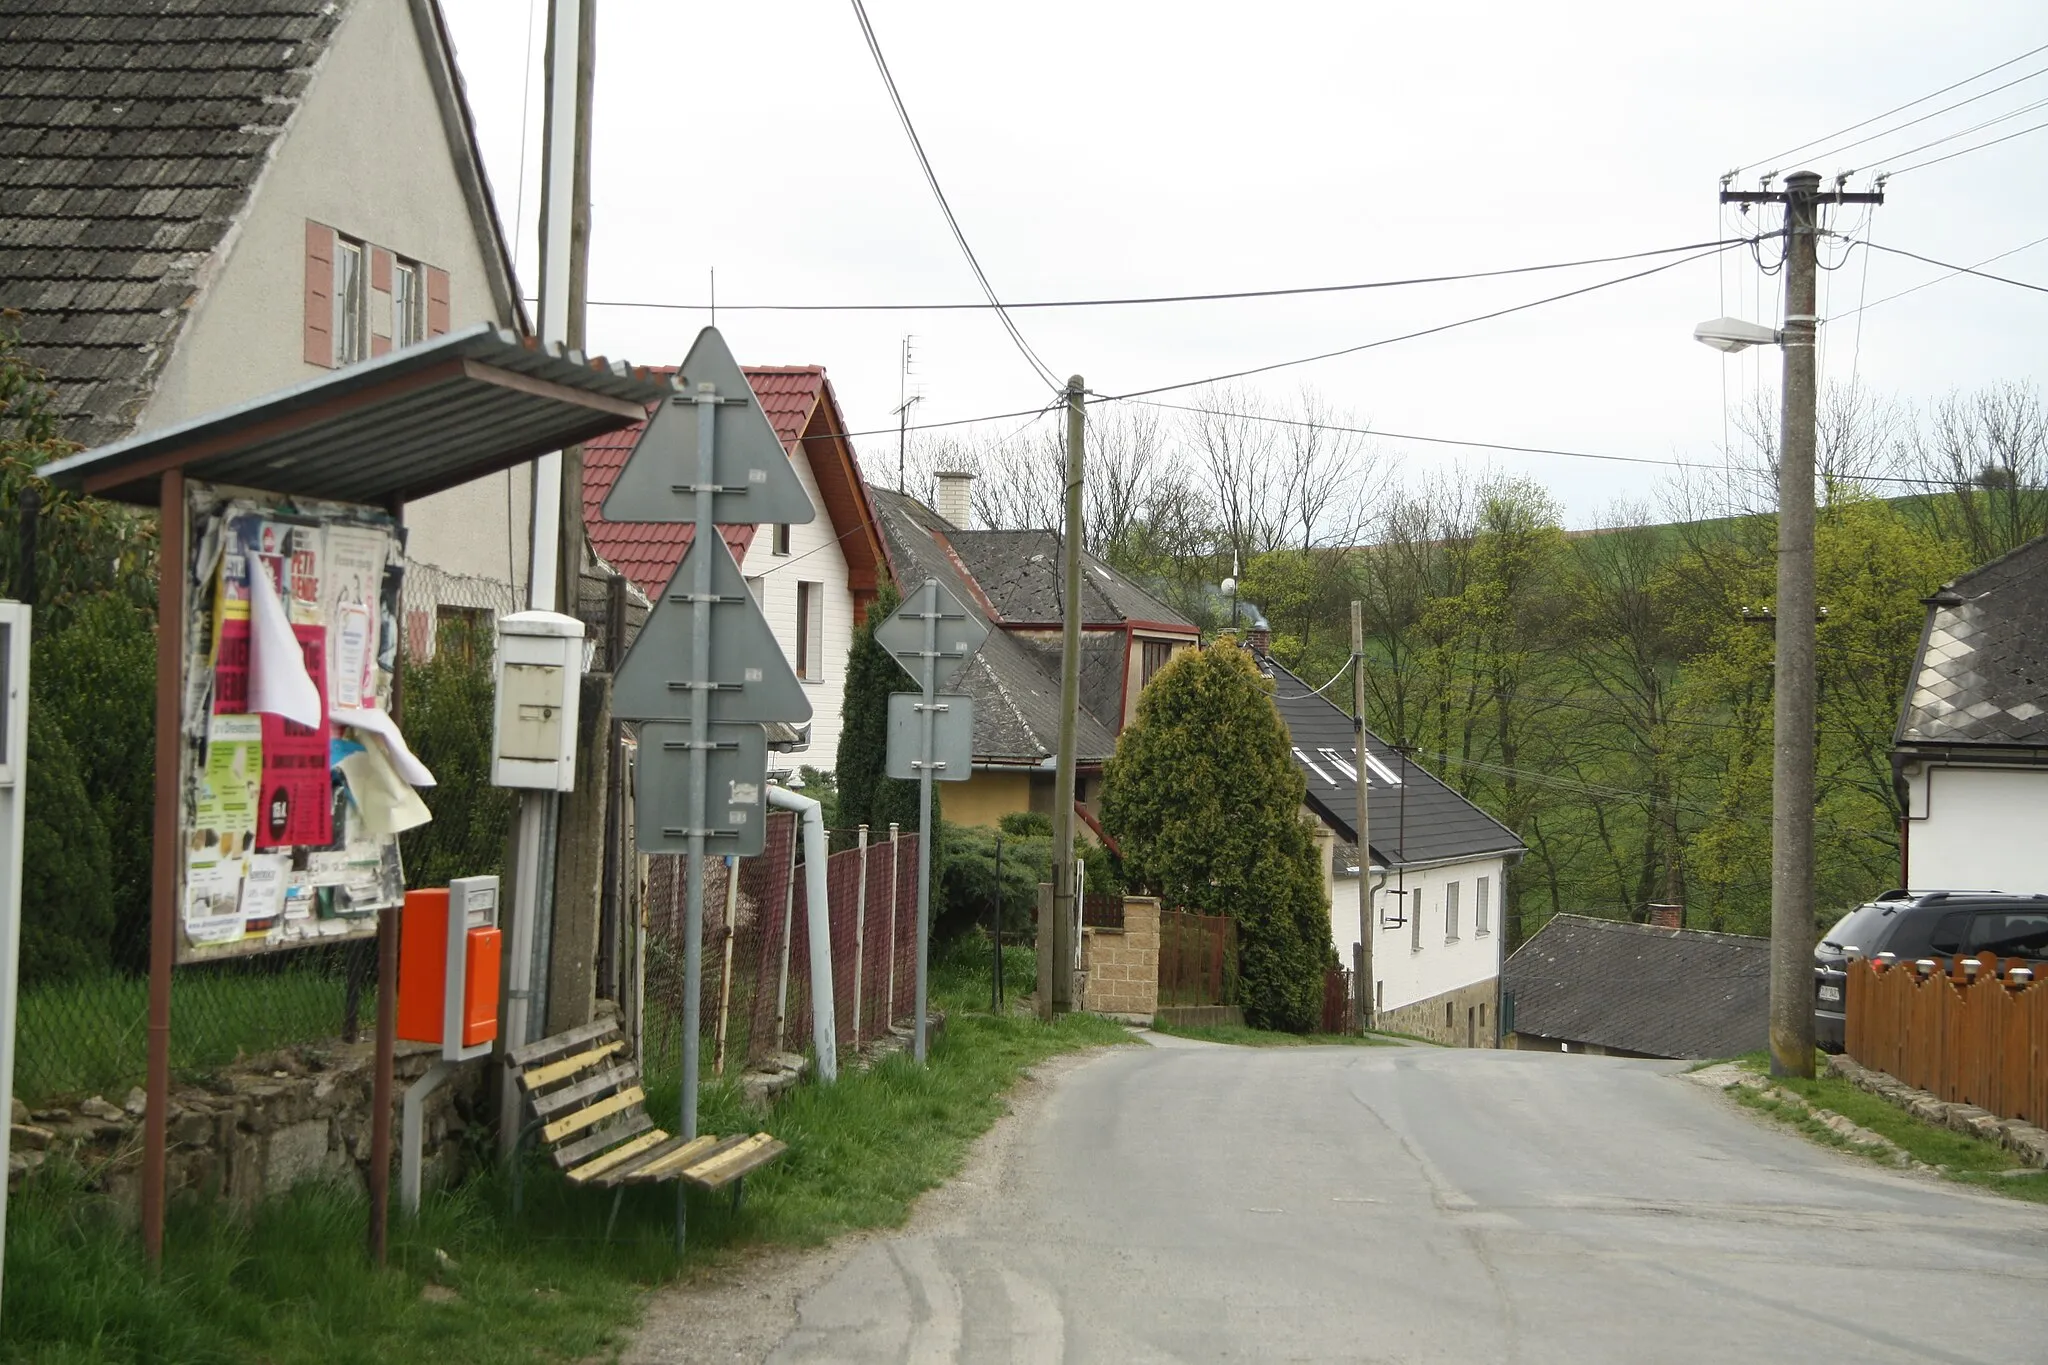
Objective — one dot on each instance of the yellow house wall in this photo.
(986, 798)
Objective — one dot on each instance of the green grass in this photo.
(1243, 1035)
(291, 1283)
(90, 1037)
(1959, 1156)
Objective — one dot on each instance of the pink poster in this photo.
(297, 803)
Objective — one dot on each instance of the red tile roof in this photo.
(647, 552)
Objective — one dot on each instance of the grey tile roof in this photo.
(1418, 820)
(1664, 992)
(1015, 682)
(1019, 571)
(1981, 676)
(131, 134)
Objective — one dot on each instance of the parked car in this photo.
(1916, 924)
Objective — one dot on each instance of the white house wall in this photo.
(368, 155)
(1403, 973)
(815, 556)
(1978, 829)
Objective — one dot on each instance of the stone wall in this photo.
(1473, 1012)
(259, 1127)
(1120, 967)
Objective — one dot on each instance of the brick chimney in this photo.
(1260, 638)
(955, 497)
(1667, 916)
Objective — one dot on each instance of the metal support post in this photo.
(860, 936)
(1057, 937)
(929, 681)
(412, 1138)
(1361, 985)
(701, 593)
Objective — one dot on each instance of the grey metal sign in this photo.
(952, 740)
(753, 480)
(736, 803)
(960, 632)
(746, 678)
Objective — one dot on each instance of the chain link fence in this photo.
(756, 999)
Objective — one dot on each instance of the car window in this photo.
(1917, 934)
(2011, 933)
(1858, 929)
(1948, 932)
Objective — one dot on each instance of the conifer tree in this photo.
(867, 795)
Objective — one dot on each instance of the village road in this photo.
(1187, 1202)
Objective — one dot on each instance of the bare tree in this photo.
(1986, 454)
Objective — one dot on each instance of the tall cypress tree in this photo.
(866, 794)
(1205, 800)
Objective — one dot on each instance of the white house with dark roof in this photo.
(1435, 882)
(1970, 756)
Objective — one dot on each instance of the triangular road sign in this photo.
(960, 632)
(752, 680)
(756, 482)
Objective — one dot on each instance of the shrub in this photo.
(1205, 800)
(867, 795)
(448, 701)
(67, 899)
(967, 878)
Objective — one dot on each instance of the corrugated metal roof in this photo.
(1415, 820)
(407, 424)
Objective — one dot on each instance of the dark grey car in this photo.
(1913, 925)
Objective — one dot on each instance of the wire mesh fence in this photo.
(756, 997)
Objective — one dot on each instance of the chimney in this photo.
(1259, 637)
(1667, 916)
(955, 498)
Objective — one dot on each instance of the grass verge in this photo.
(467, 1281)
(1957, 1156)
(1243, 1035)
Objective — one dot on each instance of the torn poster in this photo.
(298, 791)
(385, 802)
(380, 726)
(280, 667)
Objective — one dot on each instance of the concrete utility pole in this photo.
(1056, 940)
(1362, 968)
(1792, 767)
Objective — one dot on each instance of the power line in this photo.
(1937, 160)
(1945, 109)
(1213, 297)
(931, 178)
(1829, 137)
(1959, 269)
(1426, 331)
(1953, 272)
(1960, 132)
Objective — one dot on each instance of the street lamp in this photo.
(1229, 588)
(1733, 334)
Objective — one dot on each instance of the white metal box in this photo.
(539, 683)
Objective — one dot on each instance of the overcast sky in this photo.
(1110, 149)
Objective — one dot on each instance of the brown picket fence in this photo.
(1969, 1031)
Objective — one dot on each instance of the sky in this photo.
(1116, 148)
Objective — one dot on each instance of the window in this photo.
(408, 304)
(810, 631)
(1379, 995)
(1480, 911)
(757, 588)
(1451, 913)
(351, 298)
(1156, 653)
(1414, 923)
(464, 632)
(2011, 934)
(779, 544)
(1948, 932)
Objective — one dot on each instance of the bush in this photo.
(97, 678)
(967, 878)
(1205, 801)
(448, 704)
(867, 795)
(67, 898)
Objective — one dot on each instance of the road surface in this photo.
(1188, 1202)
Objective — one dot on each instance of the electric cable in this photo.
(1954, 270)
(1951, 137)
(1945, 109)
(1936, 161)
(931, 178)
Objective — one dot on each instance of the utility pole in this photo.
(1362, 967)
(1793, 718)
(1056, 940)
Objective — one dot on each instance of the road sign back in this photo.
(960, 633)
(755, 481)
(749, 679)
(952, 755)
(736, 818)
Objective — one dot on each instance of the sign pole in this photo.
(926, 712)
(701, 597)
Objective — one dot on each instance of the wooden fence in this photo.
(1971, 1031)
(1197, 959)
(1336, 1001)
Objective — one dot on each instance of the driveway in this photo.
(1187, 1202)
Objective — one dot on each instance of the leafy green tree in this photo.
(1204, 798)
(67, 895)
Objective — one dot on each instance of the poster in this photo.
(297, 799)
(223, 829)
(263, 892)
(354, 570)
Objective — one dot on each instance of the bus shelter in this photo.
(282, 774)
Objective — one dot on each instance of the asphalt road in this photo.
(1186, 1202)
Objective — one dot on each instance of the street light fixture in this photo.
(1733, 334)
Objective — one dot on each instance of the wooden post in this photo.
(172, 542)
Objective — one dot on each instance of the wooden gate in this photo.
(1197, 959)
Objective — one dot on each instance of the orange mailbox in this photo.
(448, 967)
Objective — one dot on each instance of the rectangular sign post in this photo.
(935, 631)
(722, 462)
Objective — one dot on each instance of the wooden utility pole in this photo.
(1362, 968)
(1793, 720)
(1056, 937)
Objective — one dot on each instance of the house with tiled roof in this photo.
(1970, 755)
(1616, 988)
(813, 582)
(1434, 885)
(1010, 581)
(210, 201)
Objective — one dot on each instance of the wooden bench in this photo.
(590, 1110)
